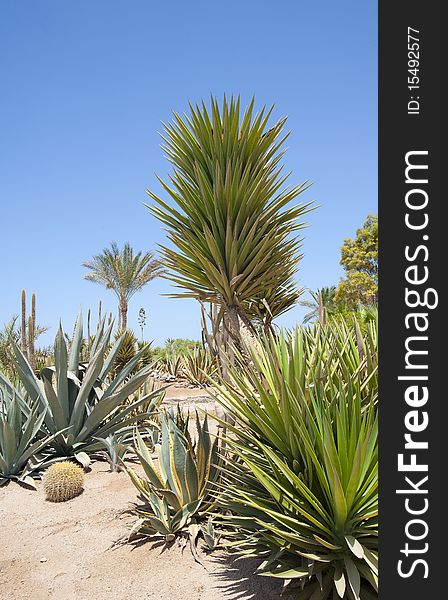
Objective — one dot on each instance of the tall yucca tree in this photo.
(123, 272)
(231, 224)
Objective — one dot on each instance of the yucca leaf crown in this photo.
(230, 225)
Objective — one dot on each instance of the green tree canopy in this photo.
(359, 257)
(321, 304)
(123, 272)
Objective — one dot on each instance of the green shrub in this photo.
(302, 480)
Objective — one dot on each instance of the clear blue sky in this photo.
(85, 86)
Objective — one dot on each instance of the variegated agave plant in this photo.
(198, 366)
(181, 490)
(85, 402)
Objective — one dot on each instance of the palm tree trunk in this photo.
(123, 315)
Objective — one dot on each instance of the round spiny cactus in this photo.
(62, 481)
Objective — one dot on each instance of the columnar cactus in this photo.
(29, 330)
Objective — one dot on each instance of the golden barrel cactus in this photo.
(63, 481)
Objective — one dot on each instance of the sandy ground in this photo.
(69, 551)
(175, 392)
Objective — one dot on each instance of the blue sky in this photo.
(85, 86)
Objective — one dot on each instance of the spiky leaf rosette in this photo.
(22, 435)
(302, 482)
(231, 223)
(85, 402)
(181, 489)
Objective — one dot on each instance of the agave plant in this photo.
(22, 436)
(198, 366)
(181, 490)
(171, 363)
(301, 483)
(116, 446)
(211, 536)
(85, 402)
(233, 233)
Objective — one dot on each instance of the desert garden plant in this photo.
(124, 272)
(169, 358)
(115, 448)
(198, 366)
(268, 390)
(85, 402)
(171, 364)
(22, 436)
(180, 490)
(210, 535)
(129, 348)
(62, 481)
(301, 477)
(232, 228)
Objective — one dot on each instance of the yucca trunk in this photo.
(241, 328)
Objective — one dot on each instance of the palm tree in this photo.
(322, 302)
(123, 272)
(231, 225)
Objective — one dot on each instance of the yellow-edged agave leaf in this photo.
(146, 461)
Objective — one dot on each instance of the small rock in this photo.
(43, 559)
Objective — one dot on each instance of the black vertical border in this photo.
(400, 133)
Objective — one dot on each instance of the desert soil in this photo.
(76, 550)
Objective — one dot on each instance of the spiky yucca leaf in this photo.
(198, 366)
(266, 395)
